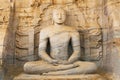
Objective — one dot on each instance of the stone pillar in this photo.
(87, 46)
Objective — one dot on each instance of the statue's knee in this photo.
(27, 67)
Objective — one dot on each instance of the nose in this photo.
(59, 16)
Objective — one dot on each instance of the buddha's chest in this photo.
(59, 45)
(60, 39)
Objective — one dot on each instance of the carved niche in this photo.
(80, 14)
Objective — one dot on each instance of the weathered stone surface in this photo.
(65, 77)
(60, 61)
(4, 21)
(81, 13)
(37, 14)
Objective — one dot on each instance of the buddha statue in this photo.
(59, 61)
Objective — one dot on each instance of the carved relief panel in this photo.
(83, 16)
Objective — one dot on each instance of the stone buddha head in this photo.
(59, 16)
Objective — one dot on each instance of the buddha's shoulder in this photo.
(72, 30)
(65, 28)
(46, 29)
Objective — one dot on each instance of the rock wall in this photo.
(4, 21)
(22, 20)
(36, 14)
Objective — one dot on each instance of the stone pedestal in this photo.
(61, 77)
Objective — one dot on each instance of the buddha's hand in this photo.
(76, 64)
(54, 62)
(64, 62)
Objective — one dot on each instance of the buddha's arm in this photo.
(76, 47)
(42, 47)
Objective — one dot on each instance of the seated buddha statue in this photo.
(59, 62)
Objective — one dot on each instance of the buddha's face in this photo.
(59, 16)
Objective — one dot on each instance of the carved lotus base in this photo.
(61, 77)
